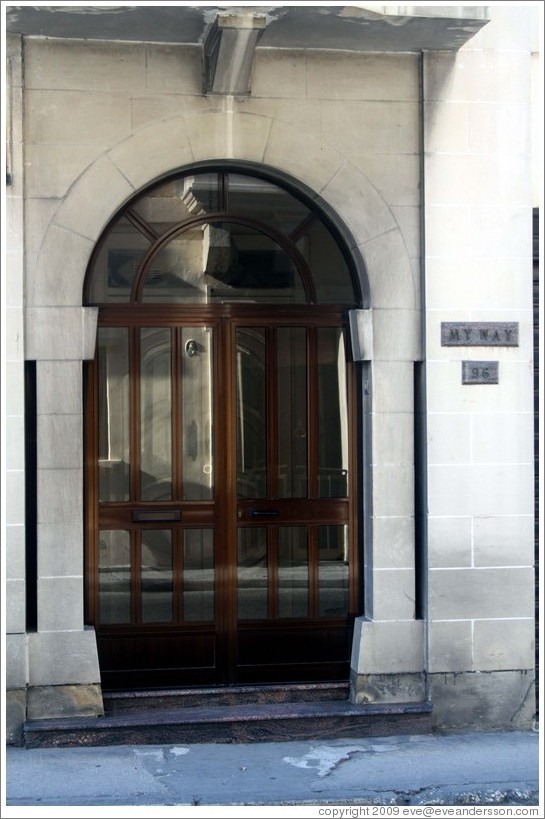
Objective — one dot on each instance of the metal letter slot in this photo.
(264, 513)
(156, 515)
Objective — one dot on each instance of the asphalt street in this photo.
(440, 769)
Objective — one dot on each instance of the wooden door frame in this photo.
(225, 318)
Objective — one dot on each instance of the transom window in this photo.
(212, 237)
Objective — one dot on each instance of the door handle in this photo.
(264, 513)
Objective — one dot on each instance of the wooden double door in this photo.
(221, 519)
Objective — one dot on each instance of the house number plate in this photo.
(480, 372)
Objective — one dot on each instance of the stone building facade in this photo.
(414, 143)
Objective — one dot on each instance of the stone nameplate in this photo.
(479, 334)
(480, 372)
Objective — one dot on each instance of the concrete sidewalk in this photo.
(451, 769)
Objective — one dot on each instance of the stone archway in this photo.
(60, 333)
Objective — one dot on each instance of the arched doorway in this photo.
(222, 542)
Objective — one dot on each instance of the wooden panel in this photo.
(294, 645)
(167, 651)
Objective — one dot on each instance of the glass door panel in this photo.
(251, 403)
(196, 413)
(293, 571)
(253, 574)
(332, 414)
(333, 566)
(291, 352)
(114, 416)
(157, 576)
(198, 575)
(155, 414)
(114, 576)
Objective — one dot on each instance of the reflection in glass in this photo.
(156, 576)
(333, 570)
(114, 414)
(330, 271)
(252, 574)
(332, 414)
(292, 571)
(197, 467)
(258, 199)
(176, 272)
(251, 412)
(155, 414)
(222, 261)
(116, 263)
(244, 260)
(292, 412)
(172, 202)
(198, 588)
(114, 576)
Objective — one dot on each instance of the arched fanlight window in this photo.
(210, 237)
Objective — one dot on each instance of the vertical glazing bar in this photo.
(271, 374)
(312, 413)
(353, 494)
(91, 477)
(177, 416)
(134, 370)
(225, 536)
(223, 191)
(134, 390)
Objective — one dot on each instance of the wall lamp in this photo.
(228, 52)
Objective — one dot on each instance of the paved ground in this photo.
(453, 769)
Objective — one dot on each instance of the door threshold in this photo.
(116, 701)
(257, 722)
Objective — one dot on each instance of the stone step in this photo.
(255, 722)
(116, 701)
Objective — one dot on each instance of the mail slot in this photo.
(156, 515)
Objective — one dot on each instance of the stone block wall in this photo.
(480, 441)
(103, 119)
(14, 524)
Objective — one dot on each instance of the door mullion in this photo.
(271, 369)
(354, 578)
(92, 500)
(312, 412)
(135, 436)
(226, 497)
(177, 414)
